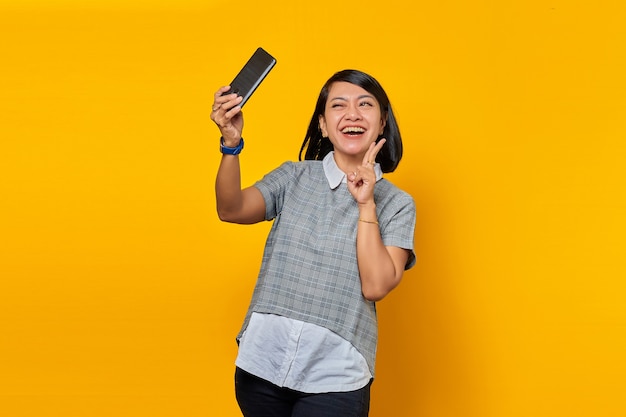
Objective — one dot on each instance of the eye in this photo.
(366, 104)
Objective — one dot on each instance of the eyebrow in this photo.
(359, 97)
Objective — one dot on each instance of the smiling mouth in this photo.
(353, 130)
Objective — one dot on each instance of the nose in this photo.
(352, 112)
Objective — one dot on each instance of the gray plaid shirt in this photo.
(309, 270)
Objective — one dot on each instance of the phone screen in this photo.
(251, 75)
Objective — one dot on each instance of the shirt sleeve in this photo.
(398, 227)
(273, 187)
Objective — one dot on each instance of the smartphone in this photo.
(251, 75)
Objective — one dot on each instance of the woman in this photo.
(341, 239)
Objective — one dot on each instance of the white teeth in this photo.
(353, 129)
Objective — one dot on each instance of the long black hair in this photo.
(317, 146)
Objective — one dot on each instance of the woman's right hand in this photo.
(227, 115)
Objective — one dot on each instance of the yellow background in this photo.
(121, 292)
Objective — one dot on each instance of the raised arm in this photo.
(380, 267)
(234, 204)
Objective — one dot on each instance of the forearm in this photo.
(228, 193)
(376, 267)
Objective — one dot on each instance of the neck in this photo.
(348, 164)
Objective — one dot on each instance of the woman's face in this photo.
(352, 119)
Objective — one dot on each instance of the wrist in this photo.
(229, 148)
(367, 208)
(367, 211)
(230, 142)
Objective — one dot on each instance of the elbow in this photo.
(222, 215)
(226, 216)
(374, 294)
(376, 291)
(238, 217)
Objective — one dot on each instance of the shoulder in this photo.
(290, 172)
(298, 168)
(389, 191)
(300, 165)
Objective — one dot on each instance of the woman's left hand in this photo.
(361, 182)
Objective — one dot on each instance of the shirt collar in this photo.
(336, 176)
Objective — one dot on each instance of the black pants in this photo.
(260, 398)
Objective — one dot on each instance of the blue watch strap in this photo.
(231, 151)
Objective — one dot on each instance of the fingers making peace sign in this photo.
(361, 182)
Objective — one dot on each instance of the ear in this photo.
(383, 123)
(322, 124)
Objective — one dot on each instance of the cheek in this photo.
(330, 123)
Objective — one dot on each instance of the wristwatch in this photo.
(230, 151)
